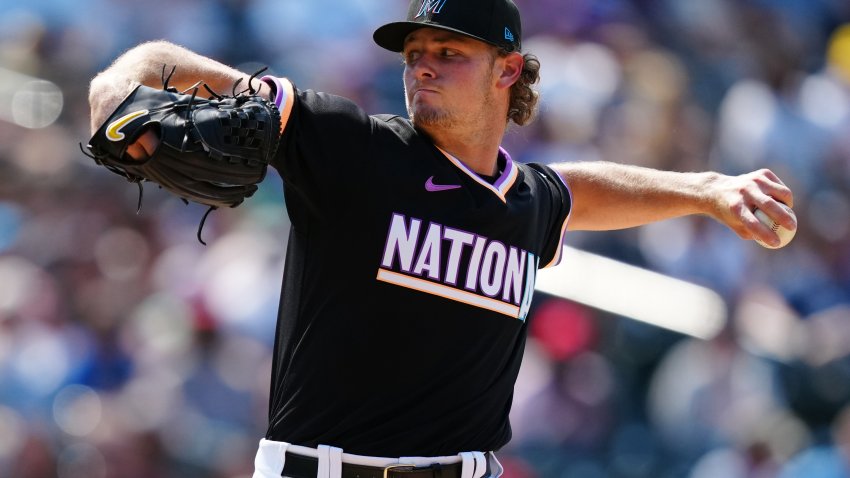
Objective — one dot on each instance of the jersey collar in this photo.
(502, 185)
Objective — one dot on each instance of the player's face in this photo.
(448, 79)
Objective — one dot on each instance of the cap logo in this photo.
(430, 6)
(509, 36)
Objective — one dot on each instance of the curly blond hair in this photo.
(524, 98)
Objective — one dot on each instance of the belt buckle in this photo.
(392, 467)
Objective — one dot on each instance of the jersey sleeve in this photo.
(325, 140)
(558, 198)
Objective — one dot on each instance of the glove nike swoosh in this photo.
(113, 131)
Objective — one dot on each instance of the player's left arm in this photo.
(608, 196)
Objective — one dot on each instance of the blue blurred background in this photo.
(128, 349)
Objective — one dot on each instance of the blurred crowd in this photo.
(129, 349)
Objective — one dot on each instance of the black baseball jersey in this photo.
(407, 282)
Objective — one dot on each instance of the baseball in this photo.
(785, 235)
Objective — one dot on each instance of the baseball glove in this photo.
(211, 151)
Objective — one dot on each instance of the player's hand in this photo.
(736, 197)
(144, 147)
(106, 92)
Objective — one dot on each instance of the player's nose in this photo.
(424, 67)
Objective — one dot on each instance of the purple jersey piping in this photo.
(501, 186)
(558, 252)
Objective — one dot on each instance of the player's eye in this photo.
(445, 52)
(411, 56)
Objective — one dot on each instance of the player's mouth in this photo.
(423, 94)
(424, 91)
(424, 86)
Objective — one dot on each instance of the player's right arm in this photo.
(144, 64)
(148, 64)
(615, 196)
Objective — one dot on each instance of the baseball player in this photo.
(415, 240)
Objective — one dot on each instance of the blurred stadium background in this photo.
(128, 349)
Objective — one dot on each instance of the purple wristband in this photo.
(277, 89)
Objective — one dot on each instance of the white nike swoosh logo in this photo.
(113, 131)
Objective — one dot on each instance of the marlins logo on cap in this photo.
(432, 6)
(496, 22)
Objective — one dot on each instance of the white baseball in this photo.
(785, 235)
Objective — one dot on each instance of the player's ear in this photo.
(509, 68)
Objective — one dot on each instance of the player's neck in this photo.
(479, 152)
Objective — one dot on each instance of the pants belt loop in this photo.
(330, 462)
(474, 464)
(270, 459)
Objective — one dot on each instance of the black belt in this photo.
(300, 466)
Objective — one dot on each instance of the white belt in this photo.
(271, 457)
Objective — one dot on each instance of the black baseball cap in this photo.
(495, 22)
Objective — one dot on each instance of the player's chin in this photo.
(427, 116)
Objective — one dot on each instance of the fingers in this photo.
(780, 213)
(749, 227)
(737, 197)
(144, 146)
(772, 186)
(137, 152)
(769, 194)
(758, 230)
